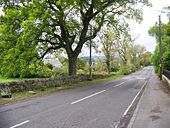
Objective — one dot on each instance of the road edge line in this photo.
(131, 121)
(128, 114)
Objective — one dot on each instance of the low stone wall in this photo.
(27, 85)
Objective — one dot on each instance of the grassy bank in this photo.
(47, 91)
(3, 79)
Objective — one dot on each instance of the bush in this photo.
(166, 60)
(114, 69)
(6, 92)
(50, 66)
(125, 70)
(60, 72)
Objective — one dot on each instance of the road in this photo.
(95, 106)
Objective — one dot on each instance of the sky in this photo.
(140, 31)
(150, 17)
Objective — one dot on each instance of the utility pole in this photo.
(90, 58)
(168, 32)
(160, 48)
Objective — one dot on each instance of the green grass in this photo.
(3, 79)
(19, 96)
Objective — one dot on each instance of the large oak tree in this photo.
(52, 25)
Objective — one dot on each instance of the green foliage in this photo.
(18, 56)
(50, 66)
(145, 59)
(82, 66)
(100, 66)
(125, 70)
(43, 27)
(63, 71)
(154, 31)
(108, 48)
(166, 60)
(6, 92)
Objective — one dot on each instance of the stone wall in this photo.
(27, 85)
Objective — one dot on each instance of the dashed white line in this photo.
(22, 123)
(88, 97)
(140, 78)
(119, 84)
(96, 93)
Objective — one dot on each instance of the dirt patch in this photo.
(154, 117)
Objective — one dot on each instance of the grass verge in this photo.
(3, 79)
(20, 96)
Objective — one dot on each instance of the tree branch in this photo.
(51, 6)
(49, 49)
(96, 30)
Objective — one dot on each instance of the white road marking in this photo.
(125, 113)
(97, 93)
(139, 78)
(126, 78)
(22, 123)
(88, 97)
(119, 84)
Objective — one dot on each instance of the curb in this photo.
(164, 78)
(125, 120)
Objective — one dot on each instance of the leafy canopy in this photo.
(44, 26)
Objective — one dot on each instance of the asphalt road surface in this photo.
(95, 106)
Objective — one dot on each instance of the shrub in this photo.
(166, 60)
(6, 92)
(125, 70)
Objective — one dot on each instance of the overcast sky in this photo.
(150, 16)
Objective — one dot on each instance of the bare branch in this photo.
(49, 49)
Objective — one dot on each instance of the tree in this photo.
(154, 32)
(122, 44)
(51, 25)
(108, 47)
(136, 54)
(145, 59)
(17, 58)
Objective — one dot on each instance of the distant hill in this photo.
(94, 58)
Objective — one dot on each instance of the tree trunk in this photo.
(72, 67)
(124, 60)
(108, 65)
(108, 62)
